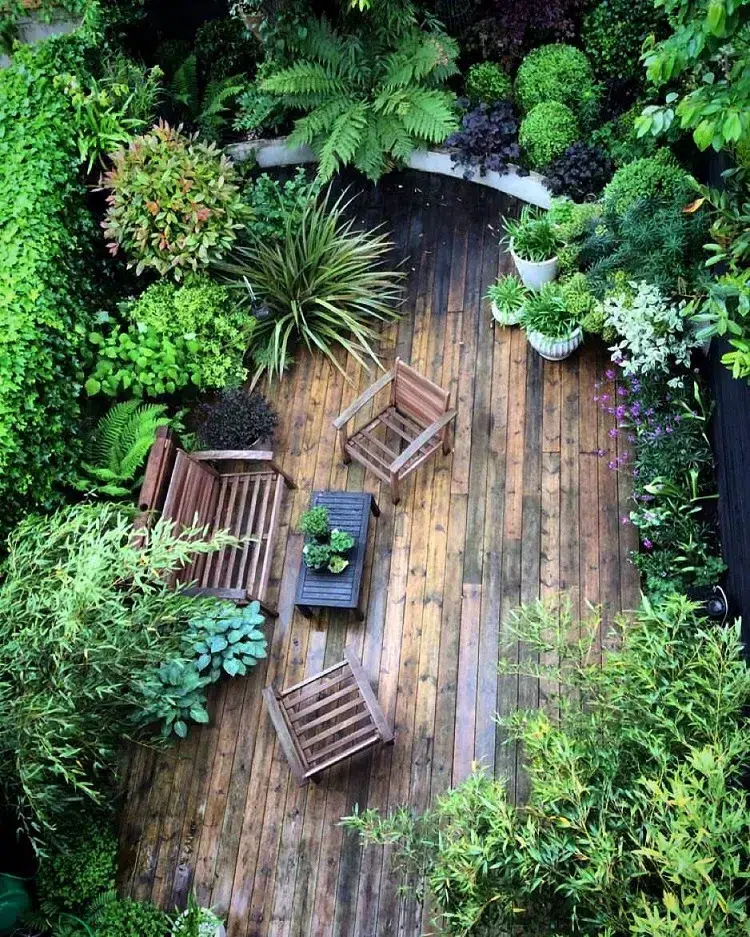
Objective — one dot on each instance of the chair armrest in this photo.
(343, 418)
(242, 455)
(424, 437)
(223, 455)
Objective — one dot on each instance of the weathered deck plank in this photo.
(524, 506)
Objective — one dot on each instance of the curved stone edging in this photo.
(528, 188)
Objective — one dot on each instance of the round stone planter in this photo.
(555, 349)
(534, 275)
(503, 317)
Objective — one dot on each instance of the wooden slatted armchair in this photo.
(235, 490)
(327, 718)
(418, 415)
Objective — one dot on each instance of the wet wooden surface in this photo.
(524, 506)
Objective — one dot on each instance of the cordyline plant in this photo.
(324, 286)
(174, 203)
(636, 820)
(85, 611)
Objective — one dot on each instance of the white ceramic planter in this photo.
(505, 318)
(534, 275)
(554, 349)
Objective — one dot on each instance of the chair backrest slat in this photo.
(417, 396)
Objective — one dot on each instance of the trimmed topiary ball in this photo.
(581, 171)
(546, 133)
(557, 73)
(653, 177)
(488, 82)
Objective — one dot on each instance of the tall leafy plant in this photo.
(324, 284)
(85, 610)
(369, 98)
(634, 818)
(707, 55)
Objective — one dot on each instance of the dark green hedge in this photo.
(45, 259)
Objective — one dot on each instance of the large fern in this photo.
(369, 99)
(117, 448)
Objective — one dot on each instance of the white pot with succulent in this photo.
(507, 297)
(196, 921)
(533, 245)
(551, 329)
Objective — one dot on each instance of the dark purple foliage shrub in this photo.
(581, 171)
(487, 140)
(235, 419)
(505, 31)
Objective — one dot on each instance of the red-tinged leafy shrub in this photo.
(581, 171)
(174, 203)
(487, 140)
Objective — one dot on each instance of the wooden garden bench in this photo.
(327, 718)
(235, 490)
(418, 415)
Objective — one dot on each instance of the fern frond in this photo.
(410, 63)
(303, 78)
(184, 85)
(319, 121)
(119, 444)
(394, 136)
(343, 140)
(429, 115)
(370, 155)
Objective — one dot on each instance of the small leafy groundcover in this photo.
(221, 638)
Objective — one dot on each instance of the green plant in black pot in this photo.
(326, 547)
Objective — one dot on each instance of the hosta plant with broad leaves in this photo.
(324, 284)
(370, 97)
(173, 203)
(227, 639)
(117, 448)
(174, 693)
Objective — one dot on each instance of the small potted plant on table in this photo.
(508, 296)
(551, 328)
(532, 241)
(325, 547)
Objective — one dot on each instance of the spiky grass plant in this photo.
(324, 284)
(117, 447)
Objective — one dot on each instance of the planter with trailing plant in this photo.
(508, 296)
(325, 548)
(551, 329)
(532, 242)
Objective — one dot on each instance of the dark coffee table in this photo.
(349, 511)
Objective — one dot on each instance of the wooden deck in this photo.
(524, 506)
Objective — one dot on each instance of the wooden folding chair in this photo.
(327, 718)
(418, 415)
